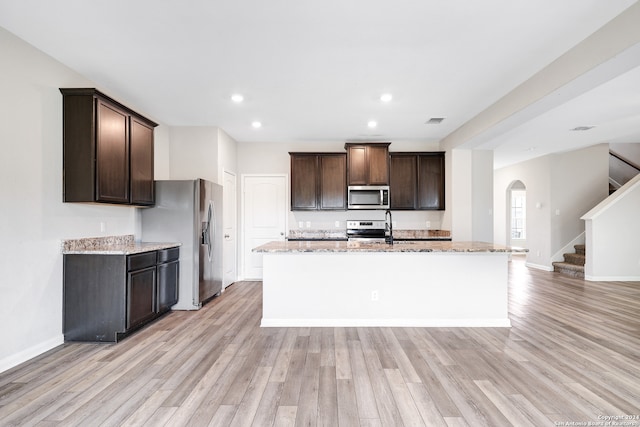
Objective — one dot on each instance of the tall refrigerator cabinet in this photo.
(189, 212)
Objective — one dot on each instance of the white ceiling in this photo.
(314, 70)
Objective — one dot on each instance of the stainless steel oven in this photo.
(366, 231)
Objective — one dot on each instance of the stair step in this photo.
(577, 259)
(569, 269)
(580, 249)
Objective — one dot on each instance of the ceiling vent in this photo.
(434, 121)
(582, 128)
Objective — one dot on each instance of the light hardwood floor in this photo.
(572, 355)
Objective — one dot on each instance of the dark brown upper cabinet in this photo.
(417, 181)
(107, 150)
(367, 163)
(318, 181)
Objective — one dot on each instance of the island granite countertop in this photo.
(112, 245)
(405, 246)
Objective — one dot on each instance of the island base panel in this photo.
(385, 289)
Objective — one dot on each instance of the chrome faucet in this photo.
(388, 235)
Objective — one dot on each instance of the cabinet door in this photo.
(141, 144)
(141, 296)
(357, 167)
(431, 182)
(378, 159)
(333, 181)
(304, 182)
(168, 278)
(112, 154)
(404, 181)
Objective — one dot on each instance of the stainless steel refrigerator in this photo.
(189, 212)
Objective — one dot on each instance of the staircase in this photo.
(573, 264)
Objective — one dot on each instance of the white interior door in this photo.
(264, 217)
(230, 220)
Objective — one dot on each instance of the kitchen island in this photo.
(414, 283)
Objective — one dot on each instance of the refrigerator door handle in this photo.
(207, 230)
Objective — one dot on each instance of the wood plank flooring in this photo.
(572, 355)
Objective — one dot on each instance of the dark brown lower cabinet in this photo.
(168, 278)
(106, 297)
(141, 302)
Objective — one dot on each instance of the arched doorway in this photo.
(517, 214)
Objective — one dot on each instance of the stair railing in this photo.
(621, 169)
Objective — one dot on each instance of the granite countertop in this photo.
(408, 246)
(304, 234)
(112, 245)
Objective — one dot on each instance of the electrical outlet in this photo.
(308, 224)
(375, 296)
(337, 224)
(428, 223)
(538, 253)
(103, 227)
(300, 224)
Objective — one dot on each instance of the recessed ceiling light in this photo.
(236, 97)
(372, 123)
(386, 97)
(581, 128)
(256, 124)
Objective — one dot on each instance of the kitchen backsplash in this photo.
(406, 220)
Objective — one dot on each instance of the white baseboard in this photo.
(612, 278)
(539, 266)
(399, 323)
(29, 353)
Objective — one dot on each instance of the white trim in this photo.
(539, 266)
(29, 353)
(591, 278)
(398, 323)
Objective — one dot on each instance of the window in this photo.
(518, 214)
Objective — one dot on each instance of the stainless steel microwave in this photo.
(368, 197)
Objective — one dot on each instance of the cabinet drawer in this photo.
(167, 255)
(140, 261)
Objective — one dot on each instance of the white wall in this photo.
(193, 151)
(161, 142)
(612, 230)
(470, 191)
(570, 183)
(580, 180)
(227, 154)
(33, 219)
(273, 158)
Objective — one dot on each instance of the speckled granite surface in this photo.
(317, 234)
(342, 234)
(410, 246)
(111, 245)
(421, 234)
